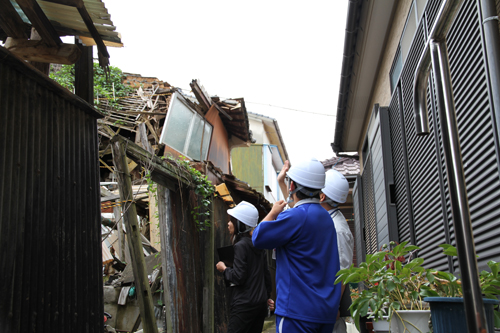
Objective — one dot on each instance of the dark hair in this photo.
(239, 230)
(303, 196)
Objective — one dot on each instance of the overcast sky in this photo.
(281, 53)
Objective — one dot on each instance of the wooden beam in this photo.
(205, 103)
(162, 172)
(93, 31)
(134, 239)
(11, 22)
(38, 51)
(84, 73)
(40, 21)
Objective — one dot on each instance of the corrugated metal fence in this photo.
(50, 251)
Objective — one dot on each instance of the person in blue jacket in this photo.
(307, 258)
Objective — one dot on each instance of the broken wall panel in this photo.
(50, 236)
(184, 285)
(219, 147)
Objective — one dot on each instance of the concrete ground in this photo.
(269, 325)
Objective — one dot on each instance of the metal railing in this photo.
(436, 55)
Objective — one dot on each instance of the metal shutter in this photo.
(357, 194)
(400, 169)
(475, 125)
(423, 167)
(369, 207)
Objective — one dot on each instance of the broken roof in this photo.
(149, 103)
(87, 19)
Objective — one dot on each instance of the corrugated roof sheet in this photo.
(68, 21)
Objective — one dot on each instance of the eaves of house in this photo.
(368, 23)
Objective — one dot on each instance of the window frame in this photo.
(178, 98)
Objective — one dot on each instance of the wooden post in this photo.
(134, 239)
(167, 263)
(84, 73)
(208, 288)
(117, 210)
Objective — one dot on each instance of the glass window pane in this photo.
(398, 66)
(195, 140)
(206, 139)
(178, 122)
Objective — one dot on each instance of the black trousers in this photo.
(247, 319)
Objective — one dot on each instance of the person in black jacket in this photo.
(249, 275)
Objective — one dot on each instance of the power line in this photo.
(282, 107)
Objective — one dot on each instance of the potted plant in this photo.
(392, 287)
(446, 302)
(396, 286)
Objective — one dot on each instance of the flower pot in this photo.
(448, 314)
(410, 321)
(381, 326)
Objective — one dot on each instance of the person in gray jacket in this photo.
(334, 193)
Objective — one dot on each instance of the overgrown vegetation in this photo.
(109, 87)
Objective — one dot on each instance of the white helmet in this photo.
(336, 186)
(309, 173)
(246, 213)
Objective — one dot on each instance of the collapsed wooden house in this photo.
(152, 131)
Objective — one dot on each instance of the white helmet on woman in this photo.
(246, 213)
(336, 186)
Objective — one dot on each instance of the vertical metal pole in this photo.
(474, 309)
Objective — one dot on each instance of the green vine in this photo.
(202, 187)
(205, 190)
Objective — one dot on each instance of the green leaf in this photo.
(497, 319)
(428, 293)
(494, 267)
(352, 278)
(390, 285)
(430, 276)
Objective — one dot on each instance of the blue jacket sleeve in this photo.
(273, 234)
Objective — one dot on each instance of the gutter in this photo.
(351, 33)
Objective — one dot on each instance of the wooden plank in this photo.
(134, 239)
(38, 51)
(209, 282)
(117, 211)
(162, 172)
(40, 21)
(167, 260)
(103, 51)
(154, 227)
(11, 22)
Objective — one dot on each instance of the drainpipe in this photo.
(345, 77)
(436, 54)
(489, 20)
